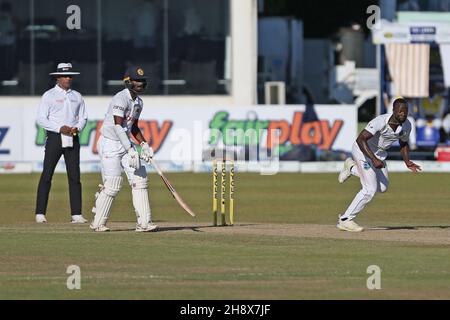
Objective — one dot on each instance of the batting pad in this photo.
(104, 200)
(141, 203)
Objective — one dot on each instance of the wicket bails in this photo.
(223, 191)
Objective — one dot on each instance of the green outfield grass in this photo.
(190, 259)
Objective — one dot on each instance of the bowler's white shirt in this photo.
(59, 107)
(384, 136)
(124, 106)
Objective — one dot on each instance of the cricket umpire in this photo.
(62, 113)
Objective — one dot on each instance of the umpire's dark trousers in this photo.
(53, 152)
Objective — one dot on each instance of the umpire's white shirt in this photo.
(384, 136)
(124, 106)
(59, 107)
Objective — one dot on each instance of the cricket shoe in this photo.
(101, 228)
(349, 225)
(150, 228)
(345, 172)
(78, 218)
(40, 218)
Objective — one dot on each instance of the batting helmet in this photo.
(135, 73)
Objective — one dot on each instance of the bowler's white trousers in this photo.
(372, 180)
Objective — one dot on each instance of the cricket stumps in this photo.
(223, 191)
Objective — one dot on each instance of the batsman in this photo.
(117, 154)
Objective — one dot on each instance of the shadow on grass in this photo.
(409, 227)
(195, 228)
(181, 228)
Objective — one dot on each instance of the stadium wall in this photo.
(184, 135)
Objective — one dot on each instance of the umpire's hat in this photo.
(64, 69)
(134, 73)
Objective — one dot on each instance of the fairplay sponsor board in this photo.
(185, 133)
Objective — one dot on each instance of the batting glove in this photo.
(146, 151)
(134, 158)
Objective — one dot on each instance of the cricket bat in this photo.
(172, 189)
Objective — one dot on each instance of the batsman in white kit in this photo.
(117, 153)
(369, 154)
